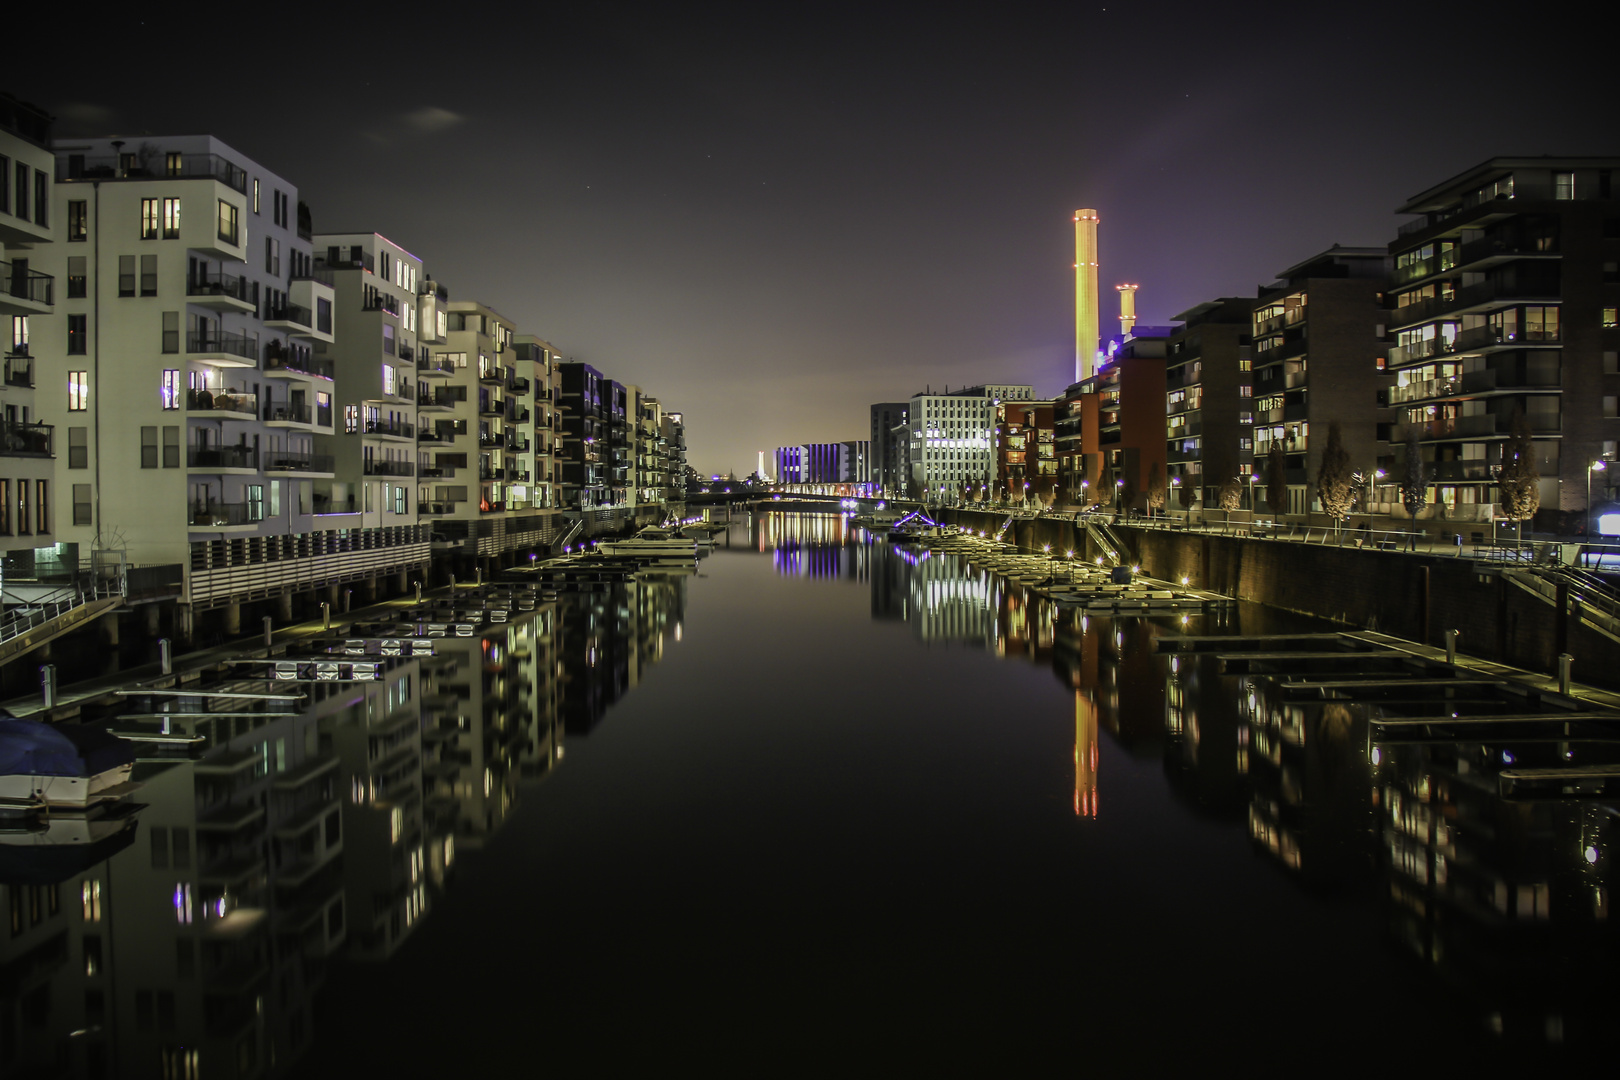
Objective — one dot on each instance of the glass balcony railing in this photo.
(26, 440)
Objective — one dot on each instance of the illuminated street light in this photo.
(1597, 466)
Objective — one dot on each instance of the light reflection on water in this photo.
(294, 849)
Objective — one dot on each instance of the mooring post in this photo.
(418, 592)
(1451, 646)
(165, 657)
(47, 683)
(267, 633)
(1565, 660)
(326, 615)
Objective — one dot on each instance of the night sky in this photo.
(771, 216)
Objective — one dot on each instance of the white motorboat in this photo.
(652, 543)
(67, 767)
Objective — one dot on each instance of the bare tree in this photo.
(1155, 488)
(1335, 482)
(1186, 493)
(1230, 495)
(1518, 478)
(1415, 475)
(1277, 478)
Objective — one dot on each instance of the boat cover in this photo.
(32, 748)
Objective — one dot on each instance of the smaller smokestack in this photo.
(1127, 308)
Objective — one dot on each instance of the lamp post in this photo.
(1254, 478)
(1597, 466)
(1175, 482)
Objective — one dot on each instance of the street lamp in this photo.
(1254, 478)
(1597, 466)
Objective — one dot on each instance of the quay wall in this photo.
(1418, 597)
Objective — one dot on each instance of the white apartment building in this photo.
(387, 317)
(185, 372)
(953, 436)
(28, 301)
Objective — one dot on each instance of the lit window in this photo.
(1563, 185)
(91, 894)
(228, 230)
(1610, 321)
(170, 389)
(171, 219)
(351, 418)
(78, 391)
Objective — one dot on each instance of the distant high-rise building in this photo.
(889, 438)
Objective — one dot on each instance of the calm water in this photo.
(828, 805)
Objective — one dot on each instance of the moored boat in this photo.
(67, 767)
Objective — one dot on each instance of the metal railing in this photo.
(277, 357)
(36, 613)
(224, 514)
(220, 341)
(188, 167)
(19, 371)
(239, 402)
(286, 413)
(296, 314)
(389, 468)
(297, 461)
(25, 283)
(219, 283)
(26, 440)
(222, 457)
(403, 429)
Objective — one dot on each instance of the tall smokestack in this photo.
(1127, 308)
(1086, 331)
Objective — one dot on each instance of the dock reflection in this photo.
(192, 939)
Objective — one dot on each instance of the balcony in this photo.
(286, 414)
(488, 507)
(492, 374)
(389, 468)
(491, 442)
(405, 351)
(517, 445)
(20, 372)
(1472, 427)
(280, 361)
(488, 475)
(291, 318)
(320, 274)
(437, 508)
(516, 415)
(220, 349)
(380, 301)
(223, 404)
(442, 432)
(391, 429)
(24, 291)
(225, 515)
(491, 407)
(299, 461)
(518, 387)
(438, 367)
(26, 440)
(437, 401)
(1450, 472)
(72, 167)
(219, 291)
(222, 458)
(1468, 298)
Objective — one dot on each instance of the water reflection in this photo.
(192, 940)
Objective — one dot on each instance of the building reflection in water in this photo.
(191, 940)
(813, 545)
(1499, 897)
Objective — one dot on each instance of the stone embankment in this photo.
(1414, 596)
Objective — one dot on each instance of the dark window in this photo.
(76, 277)
(171, 446)
(78, 220)
(149, 447)
(77, 337)
(171, 331)
(20, 206)
(42, 198)
(148, 275)
(126, 275)
(78, 449)
(5, 184)
(81, 504)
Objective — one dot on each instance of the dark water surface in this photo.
(833, 806)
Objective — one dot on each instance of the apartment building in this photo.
(28, 303)
(890, 437)
(189, 384)
(824, 463)
(1318, 359)
(1503, 297)
(584, 400)
(673, 431)
(1025, 451)
(951, 433)
(534, 482)
(1128, 446)
(374, 363)
(1209, 408)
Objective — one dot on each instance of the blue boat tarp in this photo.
(32, 748)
